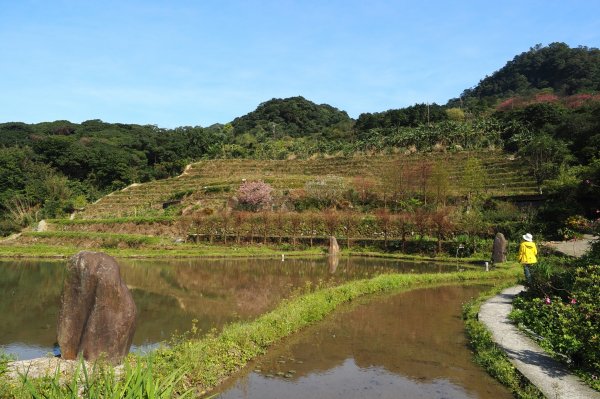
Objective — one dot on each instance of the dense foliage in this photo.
(293, 117)
(562, 307)
(49, 169)
(415, 115)
(569, 127)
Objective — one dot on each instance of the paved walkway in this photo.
(551, 377)
(574, 248)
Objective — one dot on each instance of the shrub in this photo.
(110, 243)
(568, 318)
(549, 277)
(578, 224)
(327, 190)
(8, 227)
(4, 360)
(364, 188)
(180, 195)
(216, 189)
(593, 255)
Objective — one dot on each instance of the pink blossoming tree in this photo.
(254, 195)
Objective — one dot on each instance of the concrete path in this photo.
(551, 377)
(574, 248)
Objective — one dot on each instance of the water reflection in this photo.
(169, 294)
(333, 261)
(410, 346)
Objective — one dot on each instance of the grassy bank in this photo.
(489, 356)
(179, 251)
(204, 363)
(477, 258)
(11, 249)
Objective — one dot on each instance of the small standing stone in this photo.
(97, 313)
(499, 249)
(334, 248)
(42, 226)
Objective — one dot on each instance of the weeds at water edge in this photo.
(137, 380)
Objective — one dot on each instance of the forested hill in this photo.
(556, 67)
(294, 117)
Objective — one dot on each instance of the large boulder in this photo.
(97, 315)
(499, 249)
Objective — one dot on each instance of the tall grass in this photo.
(136, 380)
(105, 240)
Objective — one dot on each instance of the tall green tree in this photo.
(545, 156)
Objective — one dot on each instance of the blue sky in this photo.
(188, 63)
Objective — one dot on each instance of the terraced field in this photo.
(149, 215)
(211, 183)
(174, 213)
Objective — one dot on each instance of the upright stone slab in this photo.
(42, 226)
(97, 313)
(499, 249)
(334, 248)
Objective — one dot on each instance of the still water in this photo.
(170, 294)
(411, 345)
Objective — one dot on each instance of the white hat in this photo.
(528, 237)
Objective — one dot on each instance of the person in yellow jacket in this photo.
(527, 254)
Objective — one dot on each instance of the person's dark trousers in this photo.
(527, 272)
